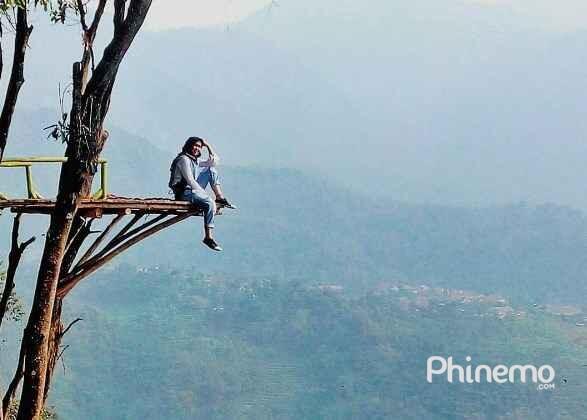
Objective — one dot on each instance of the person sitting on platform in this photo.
(189, 178)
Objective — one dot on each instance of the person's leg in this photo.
(207, 205)
(207, 232)
(210, 176)
(205, 178)
(204, 202)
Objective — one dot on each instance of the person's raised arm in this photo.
(212, 156)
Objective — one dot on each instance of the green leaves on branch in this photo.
(6, 5)
(59, 130)
(57, 9)
(46, 414)
(15, 310)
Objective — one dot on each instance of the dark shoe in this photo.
(223, 202)
(211, 243)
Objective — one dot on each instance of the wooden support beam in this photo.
(118, 239)
(69, 281)
(75, 236)
(130, 233)
(99, 240)
(125, 229)
(109, 206)
(130, 224)
(95, 213)
(75, 242)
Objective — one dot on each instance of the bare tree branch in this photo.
(71, 324)
(18, 374)
(100, 238)
(82, 15)
(97, 16)
(89, 36)
(14, 257)
(126, 29)
(1, 59)
(23, 31)
(61, 354)
(119, 8)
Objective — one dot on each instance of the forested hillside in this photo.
(186, 345)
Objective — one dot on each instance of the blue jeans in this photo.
(200, 198)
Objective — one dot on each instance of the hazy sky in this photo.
(557, 14)
(167, 14)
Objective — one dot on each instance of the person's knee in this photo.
(209, 205)
(214, 177)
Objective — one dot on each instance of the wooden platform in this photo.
(111, 205)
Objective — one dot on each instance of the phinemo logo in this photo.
(543, 376)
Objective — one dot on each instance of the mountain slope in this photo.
(437, 101)
(188, 346)
(295, 225)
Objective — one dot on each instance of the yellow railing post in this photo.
(30, 185)
(27, 163)
(102, 193)
(29, 181)
(104, 178)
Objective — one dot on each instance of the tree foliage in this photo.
(48, 413)
(15, 309)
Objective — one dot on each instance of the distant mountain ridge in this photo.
(294, 225)
(439, 101)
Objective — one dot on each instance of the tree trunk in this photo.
(83, 150)
(76, 174)
(38, 327)
(55, 335)
(79, 232)
(73, 177)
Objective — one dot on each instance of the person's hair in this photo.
(189, 143)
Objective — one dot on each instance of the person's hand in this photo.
(207, 146)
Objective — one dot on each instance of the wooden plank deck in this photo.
(111, 205)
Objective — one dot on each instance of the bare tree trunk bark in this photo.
(72, 179)
(78, 234)
(55, 335)
(40, 320)
(84, 147)
(1, 55)
(23, 32)
(36, 341)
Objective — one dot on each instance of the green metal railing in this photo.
(27, 164)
